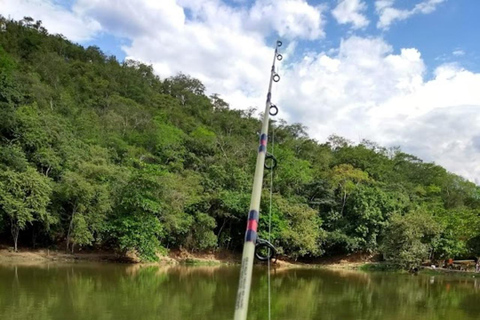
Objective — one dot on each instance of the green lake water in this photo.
(99, 291)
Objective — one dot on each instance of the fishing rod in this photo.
(253, 245)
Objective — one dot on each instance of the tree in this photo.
(9, 91)
(345, 178)
(296, 228)
(459, 227)
(366, 214)
(135, 222)
(85, 204)
(142, 163)
(409, 239)
(302, 235)
(24, 197)
(201, 236)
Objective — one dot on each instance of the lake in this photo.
(104, 291)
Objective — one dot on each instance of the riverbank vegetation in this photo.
(98, 153)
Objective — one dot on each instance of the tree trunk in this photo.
(221, 229)
(15, 231)
(344, 201)
(70, 227)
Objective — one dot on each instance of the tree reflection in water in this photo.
(138, 292)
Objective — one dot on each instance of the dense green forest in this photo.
(97, 153)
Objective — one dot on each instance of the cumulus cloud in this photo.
(361, 89)
(222, 46)
(447, 136)
(388, 14)
(363, 73)
(54, 17)
(366, 90)
(351, 11)
(290, 18)
(133, 18)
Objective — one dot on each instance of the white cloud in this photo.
(54, 17)
(222, 46)
(365, 90)
(362, 89)
(388, 14)
(458, 52)
(446, 135)
(290, 18)
(362, 74)
(133, 18)
(351, 11)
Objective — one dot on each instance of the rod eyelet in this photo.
(273, 110)
(273, 163)
(263, 245)
(279, 43)
(279, 57)
(276, 77)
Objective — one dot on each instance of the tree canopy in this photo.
(100, 153)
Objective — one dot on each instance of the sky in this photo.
(398, 72)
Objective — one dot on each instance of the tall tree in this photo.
(24, 197)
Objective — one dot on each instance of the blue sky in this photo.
(110, 44)
(452, 27)
(399, 72)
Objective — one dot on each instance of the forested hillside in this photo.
(104, 154)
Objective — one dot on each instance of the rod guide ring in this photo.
(273, 110)
(270, 253)
(273, 163)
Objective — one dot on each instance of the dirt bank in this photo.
(7, 255)
(45, 255)
(38, 256)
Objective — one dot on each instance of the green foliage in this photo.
(368, 211)
(135, 222)
(9, 91)
(202, 141)
(169, 143)
(459, 227)
(295, 172)
(301, 235)
(110, 155)
(12, 156)
(410, 238)
(201, 236)
(137, 231)
(85, 204)
(24, 197)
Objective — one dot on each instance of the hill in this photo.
(104, 154)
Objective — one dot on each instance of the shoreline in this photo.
(174, 257)
(39, 256)
(354, 262)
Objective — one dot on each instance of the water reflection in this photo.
(138, 292)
